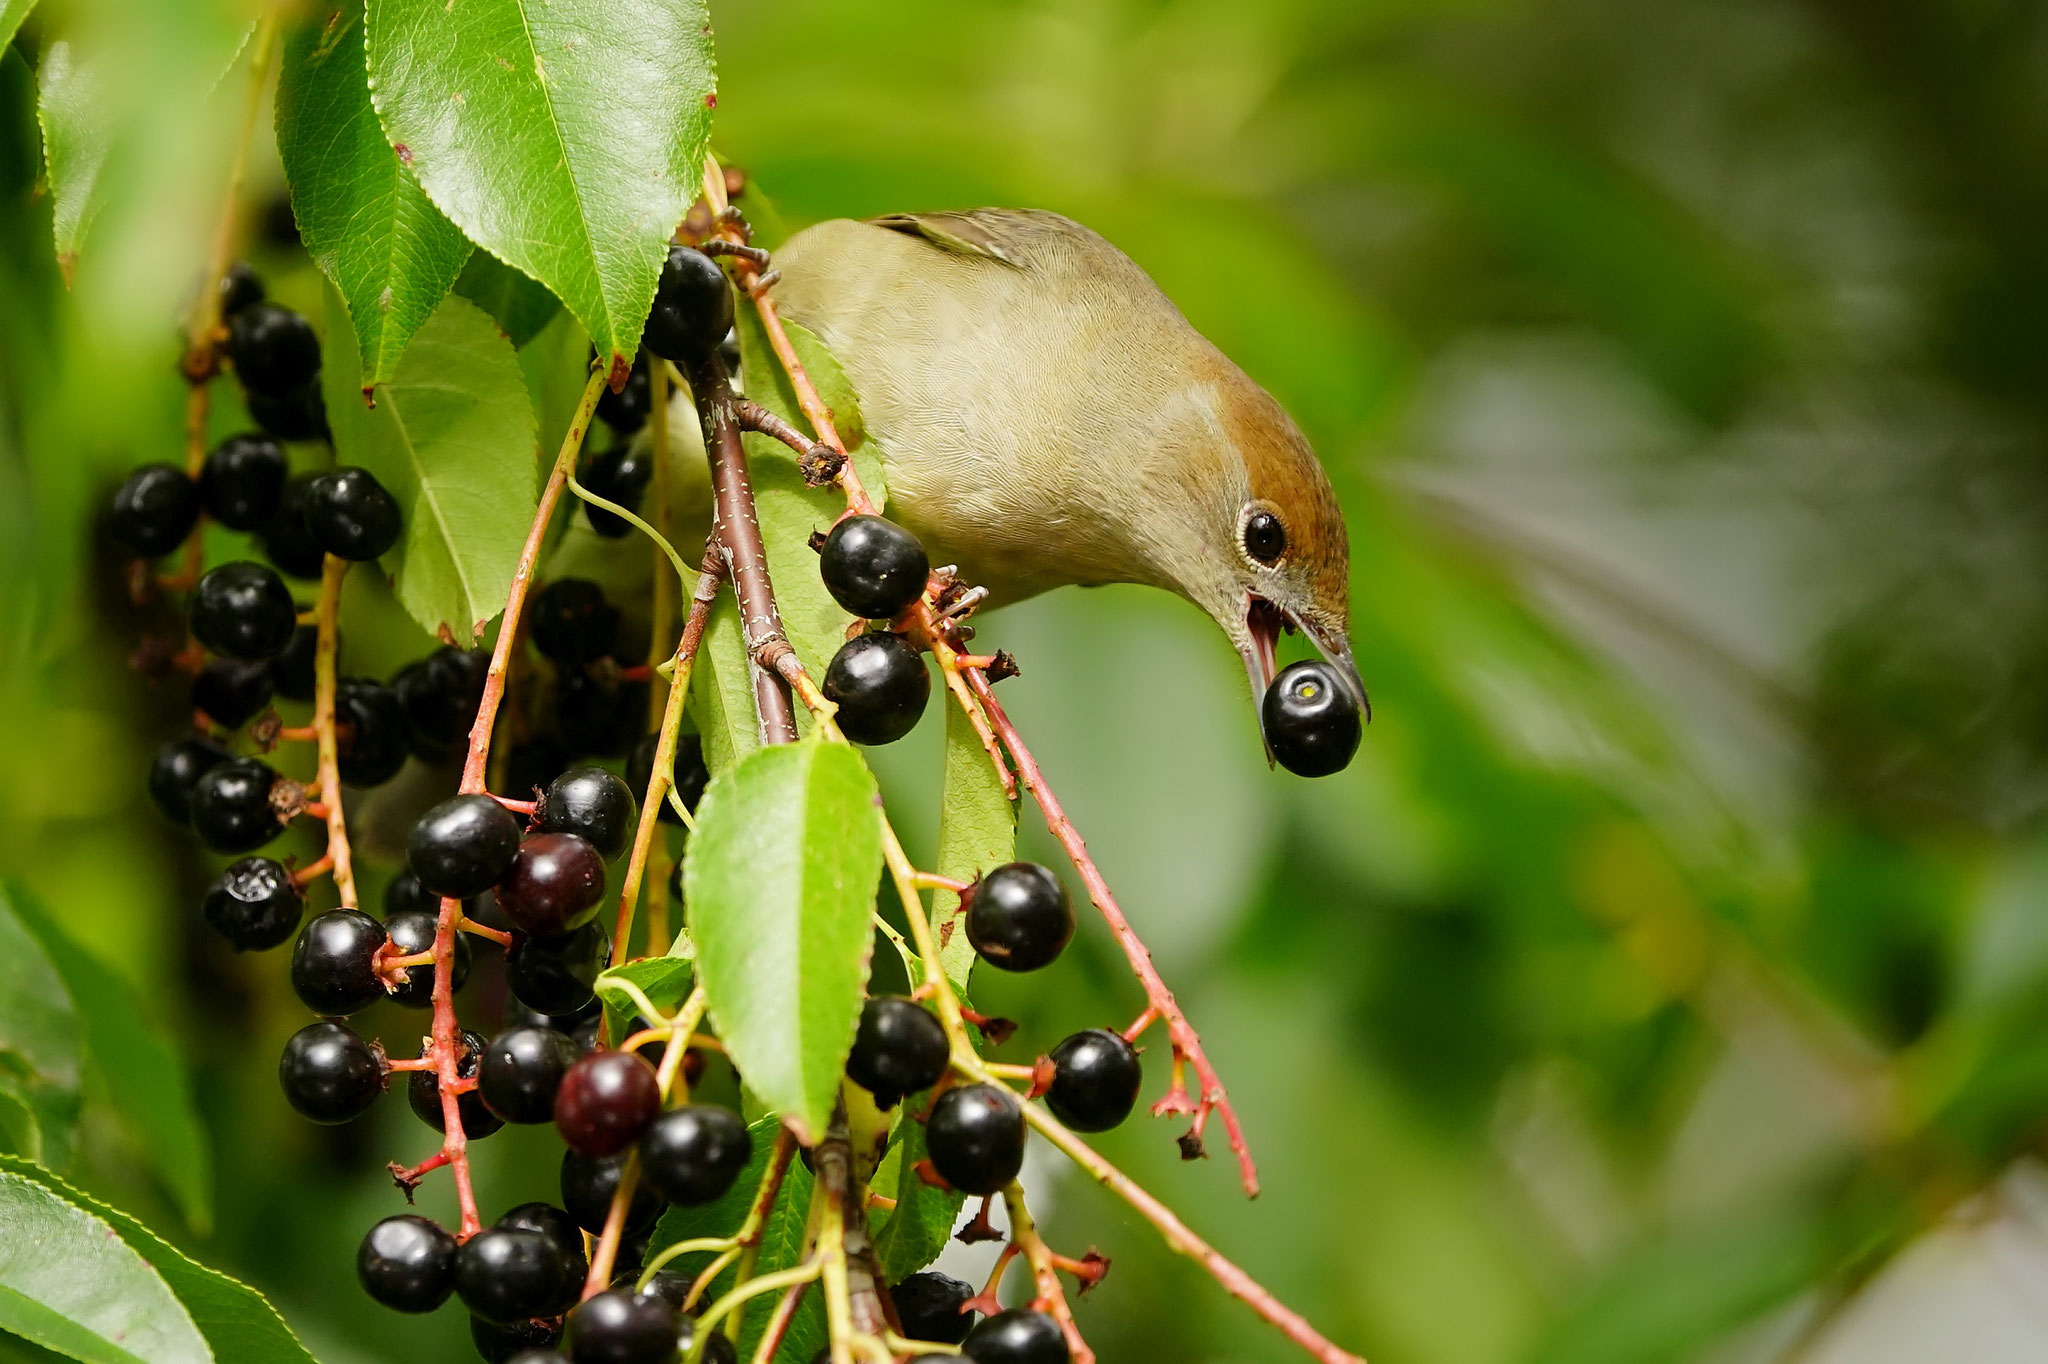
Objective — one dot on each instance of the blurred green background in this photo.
(1668, 977)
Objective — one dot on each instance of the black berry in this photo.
(407, 1264)
(534, 764)
(528, 1342)
(239, 287)
(873, 567)
(253, 904)
(880, 685)
(463, 846)
(595, 806)
(899, 1049)
(692, 308)
(175, 770)
(423, 1092)
(298, 415)
(440, 694)
(1311, 720)
(242, 481)
(626, 411)
(555, 1224)
(1095, 1080)
(508, 1274)
(350, 515)
(231, 809)
(291, 672)
(1018, 1336)
(333, 962)
(404, 892)
(606, 1101)
(413, 931)
(976, 1137)
(286, 541)
(1018, 917)
(371, 731)
(694, 1153)
(571, 622)
(616, 1327)
(621, 474)
(929, 1306)
(329, 1074)
(231, 692)
(692, 774)
(598, 716)
(555, 884)
(243, 610)
(555, 975)
(522, 1069)
(154, 510)
(274, 349)
(588, 1184)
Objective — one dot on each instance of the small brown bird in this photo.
(1046, 416)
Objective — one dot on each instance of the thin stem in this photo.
(659, 861)
(767, 1283)
(1024, 1235)
(332, 571)
(204, 330)
(447, 1045)
(778, 1325)
(765, 1192)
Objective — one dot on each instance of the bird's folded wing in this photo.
(992, 233)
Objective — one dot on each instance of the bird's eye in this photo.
(1265, 539)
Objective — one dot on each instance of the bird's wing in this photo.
(991, 233)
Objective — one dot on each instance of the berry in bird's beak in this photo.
(1264, 622)
(1311, 720)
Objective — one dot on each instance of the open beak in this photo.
(1264, 620)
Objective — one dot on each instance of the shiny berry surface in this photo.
(329, 1074)
(620, 1327)
(274, 349)
(463, 846)
(880, 685)
(1018, 1336)
(605, 1102)
(351, 515)
(554, 885)
(522, 1069)
(176, 769)
(501, 1343)
(692, 308)
(1095, 1080)
(413, 931)
(1311, 720)
(588, 1184)
(571, 622)
(594, 805)
(333, 963)
(232, 692)
(243, 610)
(1019, 917)
(423, 1092)
(555, 975)
(929, 1305)
(242, 481)
(508, 1274)
(239, 287)
(286, 541)
(899, 1049)
(230, 806)
(621, 474)
(694, 1153)
(371, 737)
(407, 1264)
(253, 904)
(154, 510)
(555, 1224)
(873, 567)
(976, 1137)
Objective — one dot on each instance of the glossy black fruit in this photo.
(274, 349)
(571, 622)
(230, 692)
(175, 770)
(404, 892)
(880, 685)
(423, 1092)
(291, 672)
(333, 962)
(1095, 1080)
(618, 1327)
(528, 1342)
(692, 775)
(596, 716)
(230, 806)
(300, 414)
(692, 308)
(463, 846)
(1018, 917)
(594, 805)
(253, 904)
(605, 1102)
(588, 1184)
(350, 515)
(440, 694)
(929, 1306)
(621, 474)
(286, 541)
(554, 886)
(522, 1069)
(555, 975)
(154, 510)
(555, 1224)
(371, 734)
(242, 481)
(873, 567)
(976, 1137)
(899, 1049)
(407, 1263)
(239, 287)
(1311, 720)
(694, 1153)
(329, 1074)
(243, 610)
(1018, 1336)
(413, 931)
(508, 1274)
(626, 411)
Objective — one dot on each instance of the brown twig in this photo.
(337, 856)
(779, 1324)
(1050, 1296)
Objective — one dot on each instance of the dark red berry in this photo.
(692, 308)
(590, 1182)
(555, 975)
(1095, 1080)
(880, 685)
(1018, 917)
(554, 886)
(440, 694)
(618, 1327)
(291, 672)
(298, 415)
(508, 1274)
(242, 481)
(253, 904)
(976, 1137)
(329, 1074)
(286, 541)
(873, 567)
(176, 769)
(898, 1049)
(371, 735)
(598, 716)
(350, 515)
(230, 806)
(929, 1306)
(594, 805)
(407, 1264)
(463, 846)
(1018, 1336)
(522, 1069)
(626, 411)
(694, 1153)
(621, 474)
(606, 1101)
(243, 610)
(334, 960)
(274, 349)
(239, 287)
(154, 510)
(528, 1342)
(571, 622)
(555, 1224)
(231, 692)
(1311, 720)
(413, 931)
(692, 775)
(423, 1092)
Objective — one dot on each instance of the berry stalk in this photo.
(325, 615)
(1050, 1296)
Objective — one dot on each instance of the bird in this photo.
(1045, 417)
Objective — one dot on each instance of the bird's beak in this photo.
(1264, 621)
(1336, 647)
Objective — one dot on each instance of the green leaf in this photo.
(144, 1077)
(520, 306)
(922, 1221)
(40, 1056)
(237, 1321)
(12, 12)
(566, 138)
(977, 831)
(664, 980)
(20, 1133)
(365, 220)
(452, 437)
(722, 689)
(69, 1282)
(780, 882)
(73, 107)
(554, 363)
